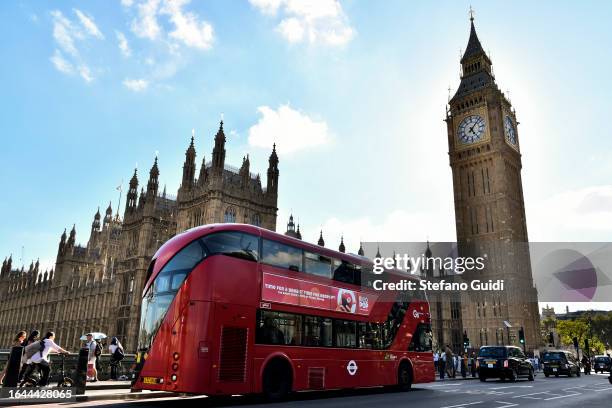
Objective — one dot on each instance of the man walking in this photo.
(92, 346)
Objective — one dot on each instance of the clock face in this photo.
(510, 130)
(471, 129)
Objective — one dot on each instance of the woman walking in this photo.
(17, 342)
(116, 351)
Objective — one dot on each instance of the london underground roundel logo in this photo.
(351, 367)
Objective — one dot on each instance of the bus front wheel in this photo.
(404, 376)
(277, 380)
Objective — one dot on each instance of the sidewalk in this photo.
(459, 377)
(101, 390)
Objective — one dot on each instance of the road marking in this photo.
(507, 404)
(446, 384)
(463, 405)
(511, 386)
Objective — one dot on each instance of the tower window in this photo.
(230, 215)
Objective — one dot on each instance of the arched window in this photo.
(256, 220)
(230, 215)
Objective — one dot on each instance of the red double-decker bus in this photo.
(236, 309)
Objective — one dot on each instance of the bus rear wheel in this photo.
(404, 376)
(277, 380)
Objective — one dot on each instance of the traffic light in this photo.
(575, 340)
(522, 335)
(466, 340)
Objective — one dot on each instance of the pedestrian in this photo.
(117, 353)
(442, 365)
(463, 362)
(537, 362)
(98, 353)
(17, 342)
(450, 366)
(473, 364)
(436, 357)
(92, 347)
(26, 360)
(41, 359)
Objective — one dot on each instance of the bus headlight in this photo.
(175, 356)
(173, 377)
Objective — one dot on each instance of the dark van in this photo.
(560, 362)
(503, 362)
(602, 364)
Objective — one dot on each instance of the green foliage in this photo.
(568, 329)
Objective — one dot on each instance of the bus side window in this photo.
(278, 328)
(317, 331)
(347, 272)
(422, 338)
(345, 333)
(316, 264)
(281, 255)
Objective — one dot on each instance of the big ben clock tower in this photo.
(485, 158)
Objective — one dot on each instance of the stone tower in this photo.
(485, 159)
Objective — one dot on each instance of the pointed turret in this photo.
(475, 66)
(272, 187)
(218, 154)
(360, 251)
(291, 232)
(189, 167)
(108, 217)
(298, 234)
(95, 225)
(321, 241)
(203, 173)
(245, 171)
(153, 183)
(37, 265)
(342, 248)
(132, 195)
(72, 237)
(378, 255)
(62, 244)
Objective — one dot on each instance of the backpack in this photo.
(118, 354)
(31, 349)
(98, 350)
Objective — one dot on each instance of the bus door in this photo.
(232, 355)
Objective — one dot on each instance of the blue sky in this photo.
(352, 92)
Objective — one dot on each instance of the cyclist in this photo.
(41, 359)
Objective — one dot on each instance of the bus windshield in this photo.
(162, 291)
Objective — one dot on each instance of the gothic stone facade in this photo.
(98, 287)
(485, 159)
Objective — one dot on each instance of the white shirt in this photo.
(49, 346)
(92, 350)
(112, 348)
(436, 356)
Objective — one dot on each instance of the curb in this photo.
(126, 396)
(100, 397)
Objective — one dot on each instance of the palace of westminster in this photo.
(97, 287)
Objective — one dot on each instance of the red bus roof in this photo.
(179, 241)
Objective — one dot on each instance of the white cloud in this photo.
(313, 21)
(146, 25)
(290, 129)
(61, 64)
(64, 32)
(88, 23)
(127, 3)
(123, 44)
(136, 85)
(188, 27)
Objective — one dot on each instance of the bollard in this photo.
(80, 380)
(13, 367)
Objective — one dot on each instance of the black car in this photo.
(503, 362)
(602, 364)
(560, 362)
